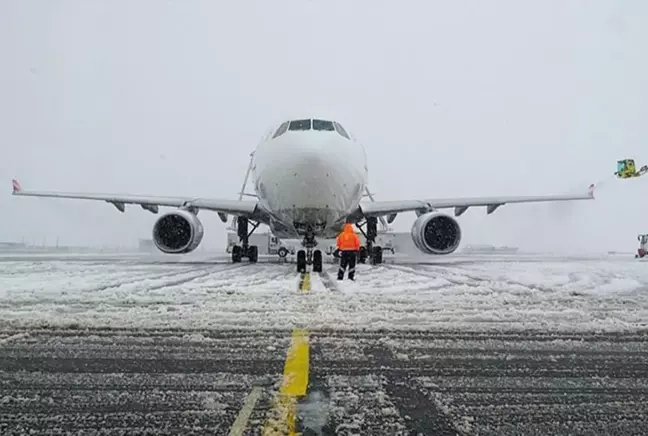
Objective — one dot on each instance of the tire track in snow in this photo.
(450, 278)
(256, 275)
(471, 280)
(328, 281)
(207, 268)
(502, 281)
(141, 278)
(424, 415)
(105, 272)
(202, 274)
(114, 278)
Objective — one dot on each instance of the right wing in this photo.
(151, 203)
(461, 204)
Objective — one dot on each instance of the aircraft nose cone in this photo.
(308, 158)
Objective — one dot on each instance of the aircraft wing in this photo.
(151, 202)
(381, 208)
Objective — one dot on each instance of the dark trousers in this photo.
(347, 258)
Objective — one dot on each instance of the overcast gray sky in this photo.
(449, 98)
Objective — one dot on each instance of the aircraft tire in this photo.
(362, 255)
(301, 261)
(237, 253)
(317, 261)
(377, 257)
(253, 253)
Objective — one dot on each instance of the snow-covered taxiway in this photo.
(487, 345)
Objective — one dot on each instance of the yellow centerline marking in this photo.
(305, 283)
(282, 417)
(295, 379)
(283, 414)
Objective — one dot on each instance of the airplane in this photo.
(310, 176)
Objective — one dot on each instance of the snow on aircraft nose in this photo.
(311, 170)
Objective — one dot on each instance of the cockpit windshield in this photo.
(300, 125)
(341, 130)
(281, 130)
(323, 125)
(308, 124)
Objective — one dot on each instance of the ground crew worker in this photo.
(349, 245)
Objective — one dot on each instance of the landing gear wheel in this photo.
(362, 255)
(237, 253)
(368, 250)
(282, 252)
(253, 253)
(301, 261)
(377, 257)
(317, 261)
(245, 250)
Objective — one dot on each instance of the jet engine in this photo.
(177, 232)
(436, 233)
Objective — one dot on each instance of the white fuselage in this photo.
(309, 180)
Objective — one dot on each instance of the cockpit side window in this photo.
(300, 125)
(340, 130)
(281, 130)
(323, 125)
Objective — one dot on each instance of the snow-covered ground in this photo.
(460, 293)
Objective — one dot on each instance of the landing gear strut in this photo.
(373, 252)
(245, 249)
(309, 256)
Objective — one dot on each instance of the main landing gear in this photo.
(309, 256)
(371, 251)
(245, 250)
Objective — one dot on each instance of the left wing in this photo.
(382, 208)
(151, 203)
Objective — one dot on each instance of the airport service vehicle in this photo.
(643, 246)
(267, 243)
(309, 177)
(626, 169)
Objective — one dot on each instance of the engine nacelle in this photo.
(177, 232)
(436, 233)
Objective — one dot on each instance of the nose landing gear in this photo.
(309, 256)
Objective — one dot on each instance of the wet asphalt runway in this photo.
(138, 382)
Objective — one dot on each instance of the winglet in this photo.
(590, 190)
(16, 186)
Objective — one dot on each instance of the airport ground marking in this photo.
(282, 419)
(241, 422)
(305, 282)
(283, 414)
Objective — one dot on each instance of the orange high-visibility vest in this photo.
(348, 240)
